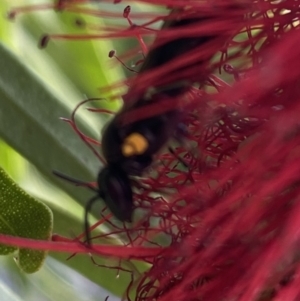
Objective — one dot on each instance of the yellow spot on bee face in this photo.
(134, 144)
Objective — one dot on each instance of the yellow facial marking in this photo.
(134, 144)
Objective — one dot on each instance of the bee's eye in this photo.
(134, 144)
(116, 192)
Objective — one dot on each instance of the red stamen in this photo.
(112, 54)
(126, 14)
(226, 225)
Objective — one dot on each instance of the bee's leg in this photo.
(181, 160)
(181, 131)
(87, 210)
(183, 138)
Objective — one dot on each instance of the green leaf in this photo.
(36, 88)
(54, 282)
(30, 122)
(23, 216)
(51, 145)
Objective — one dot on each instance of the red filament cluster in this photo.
(223, 210)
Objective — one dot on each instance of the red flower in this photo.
(223, 208)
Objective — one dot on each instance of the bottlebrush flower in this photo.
(222, 210)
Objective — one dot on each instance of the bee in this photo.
(129, 147)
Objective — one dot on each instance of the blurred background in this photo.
(34, 141)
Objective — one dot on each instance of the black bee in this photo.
(129, 147)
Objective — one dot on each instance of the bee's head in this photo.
(115, 190)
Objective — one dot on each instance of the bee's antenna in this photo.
(74, 181)
(88, 205)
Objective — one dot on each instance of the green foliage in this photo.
(23, 216)
(37, 88)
